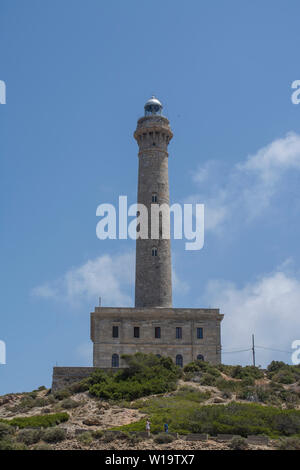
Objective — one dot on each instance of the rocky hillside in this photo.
(198, 399)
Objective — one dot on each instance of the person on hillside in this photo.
(166, 428)
(148, 427)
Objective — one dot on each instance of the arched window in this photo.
(115, 360)
(200, 357)
(154, 251)
(179, 360)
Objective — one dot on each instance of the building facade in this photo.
(153, 325)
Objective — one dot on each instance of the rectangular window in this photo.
(136, 331)
(154, 197)
(115, 332)
(200, 333)
(178, 332)
(157, 332)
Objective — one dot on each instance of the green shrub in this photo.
(208, 380)
(29, 436)
(79, 387)
(192, 394)
(275, 366)
(37, 421)
(163, 438)
(227, 385)
(85, 438)
(112, 436)
(68, 403)
(42, 446)
(98, 434)
(283, 373)
(248, 382)
(284, 376)
(239, 372)
(54, 434)
(146, 374)
(201, 367)
(9, 444)
(290, 443)
(5, 430)
(238, 443)
(62, 394)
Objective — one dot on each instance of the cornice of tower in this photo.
(149, 124)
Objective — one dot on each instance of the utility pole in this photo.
(253, 350)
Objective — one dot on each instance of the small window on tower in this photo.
(136, 332)
(178, 332)
(200, 333)
(154, 197)
(157, 332)
(115, 332)
(154, 251)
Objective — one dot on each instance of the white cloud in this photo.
(180, 287)
(267, 307)
(246, 190)
(108, 277)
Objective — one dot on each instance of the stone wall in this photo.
(189, 346)
(64, 376)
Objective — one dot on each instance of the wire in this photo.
(232, 352)
(271, 349)
(250, 349)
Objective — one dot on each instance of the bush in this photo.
(238, 443)
(9, 444)
(163, 438)
(290, 443)
(112, 436)
(284, 376)
(239, 372)
(85, 438)
(244, 419)
(227, 385)
(98, 434)
(146, 374)
(192, 394)
(29, 436)
(62, 394)
(54, 435)
(201, 367)
(68, 403)
(37, 421)
(275, 366)
(42, 446)
(79, 387)
(5, 430)
(208, 380)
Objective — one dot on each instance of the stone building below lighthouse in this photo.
(154, 325)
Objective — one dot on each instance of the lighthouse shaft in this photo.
(153, 282)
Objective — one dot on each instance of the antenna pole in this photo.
(253, 350)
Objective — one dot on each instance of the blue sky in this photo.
(77, 75)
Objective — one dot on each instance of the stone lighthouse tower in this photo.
(153, 280)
